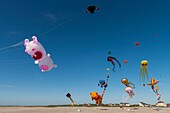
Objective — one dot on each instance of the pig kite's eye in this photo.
(33, 49)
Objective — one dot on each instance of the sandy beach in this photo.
(82, 110)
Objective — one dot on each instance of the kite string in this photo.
(7, 63)
(58, 25)
(50, 29)
(12, 50)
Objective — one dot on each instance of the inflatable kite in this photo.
(110, 59)
(91, 9)
(69, 96)
(95, 96)
(102, 83)
(38, 53)
(129, 89)
(127, 83)
(130, 92)
(158, 96)
(35, 49)
(155, 90)
(137, 43)
(144, 69)
(153, 83)
(125, 61)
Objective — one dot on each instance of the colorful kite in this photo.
(125, 61)
(129, 91)
(110, 59)
(137, 43)
(153, 83)
(37, 51)
(158, 96)
(127, 83)
(155, 90)
(144, 70)
(102, 83)
(95, 96)
(69, 96)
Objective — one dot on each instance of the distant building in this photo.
(168, 105)
(142, 104)
(124, 104)
(88, 104)
(161, 104)
(110, 104)
(116, 104)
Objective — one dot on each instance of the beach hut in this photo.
(110, 104)
(124, 104)
(161, 104)
(168, 105)
(142, 104)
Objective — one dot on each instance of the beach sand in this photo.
(83, 110)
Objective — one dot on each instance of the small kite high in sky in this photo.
(91, 9)
(137, 43)
(125, 61)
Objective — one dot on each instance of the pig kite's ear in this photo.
(26, 42)
(34, 39)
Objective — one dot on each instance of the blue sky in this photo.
(79, 45)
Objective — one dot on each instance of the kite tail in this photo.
(72, 101)
(145, 69)
(105, 88)
(153, 89)
(157, 89)
(103, 92)
(141, 73)
(131, 85)
(114, 67)
(117, 62)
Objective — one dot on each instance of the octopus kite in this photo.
(127, 83)
(129, 88)
(144, 70)
(38, 53)
(111, 59)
